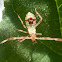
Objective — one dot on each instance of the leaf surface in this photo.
(43, 51)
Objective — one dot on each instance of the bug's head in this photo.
(30, 18)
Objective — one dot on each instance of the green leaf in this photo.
(42, 51)
(59, 7)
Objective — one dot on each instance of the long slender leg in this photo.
(22, 31)
(49, 38)
(38, 33)
(14, 38)
(39, 17)
(34, 42)
(20, 20)
(22, 40)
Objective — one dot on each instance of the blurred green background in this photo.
(51, 26)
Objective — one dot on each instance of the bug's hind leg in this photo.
(49, 38)
(34, 42)
(21, 40)
(15, 38)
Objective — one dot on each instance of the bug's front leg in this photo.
(14, 38)
(21, 20)
(39, 17)
(49, 38)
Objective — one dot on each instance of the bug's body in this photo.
(31, 25)
(30, 20)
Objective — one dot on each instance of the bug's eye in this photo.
(30, 19)
(34, 19)
(30, 22)
(27, 20)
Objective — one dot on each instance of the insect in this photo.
(31, 25)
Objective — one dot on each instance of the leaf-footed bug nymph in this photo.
(31, 25)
